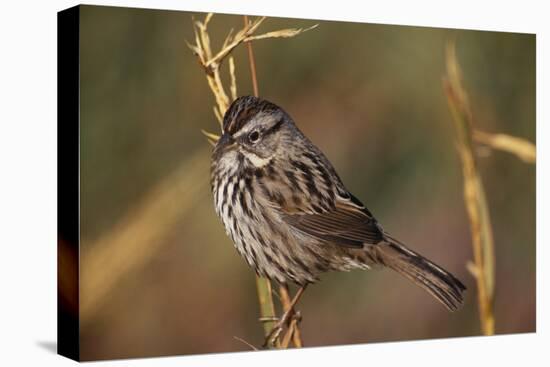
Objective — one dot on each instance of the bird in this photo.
(290, 216)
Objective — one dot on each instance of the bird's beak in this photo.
(225, 140)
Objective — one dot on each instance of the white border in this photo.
(28, 182)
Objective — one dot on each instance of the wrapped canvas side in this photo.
(68, 183)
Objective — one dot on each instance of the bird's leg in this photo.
(285, 298)
(276, 331)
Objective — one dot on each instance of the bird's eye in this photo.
(254, 136)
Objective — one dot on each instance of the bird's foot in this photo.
(277, 328)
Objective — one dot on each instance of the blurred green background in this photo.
(370, 96)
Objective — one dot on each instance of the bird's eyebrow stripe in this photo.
(276, 127)
(240, 119)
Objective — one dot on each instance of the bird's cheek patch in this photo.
(257, 161)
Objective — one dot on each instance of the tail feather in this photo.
(435, 280)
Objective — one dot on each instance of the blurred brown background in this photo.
(159, 276)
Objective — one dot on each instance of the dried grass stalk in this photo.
(522, 148)
(483, 267)
(293, 334)
(138, 235)
(211, 63)
(233, 86)
(267, 307)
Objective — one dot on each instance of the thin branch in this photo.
(210, 136)
(267, 308)
(483, 267)
(219, 117)
(239, 38)
(285, 299)
(233, 86)
(293, 328)
(263, 285)
(252, 62)
(289, 334)
(245, 343)
(211, 62)
(284, 33)
(521, 148)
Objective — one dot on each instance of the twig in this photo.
(293, 329)
(285, 299)
(289, 334)
(263, 285)
(252, 62)
(521, 148)
(245, 342)
(211, 63)
(285, 318)
(233, 86)
(267, 308)
(483, 267)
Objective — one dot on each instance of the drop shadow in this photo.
(50, 346)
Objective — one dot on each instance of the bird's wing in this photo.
(347, 223)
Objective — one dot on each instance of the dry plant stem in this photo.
(276, 331)
(135, 239)
(285, 298)
(296, 333)
(211, 63)
(293, 329)
(474, 194)
(252, 63)
(521, 148)
(290, 334)
(267, 308)
(245, 343)
(263, 285)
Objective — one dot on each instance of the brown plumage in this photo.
(289, 214)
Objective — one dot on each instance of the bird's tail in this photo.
(438, 282)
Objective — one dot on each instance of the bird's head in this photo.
(255, 131)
